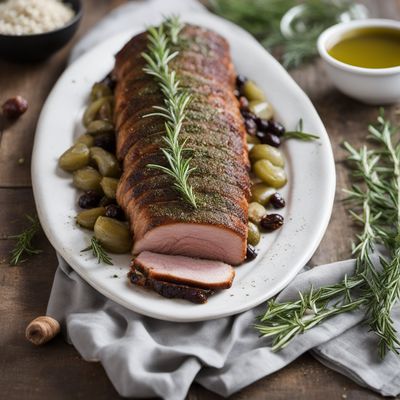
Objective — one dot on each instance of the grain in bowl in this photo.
(29, 17)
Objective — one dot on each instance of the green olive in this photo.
(261, 193)
(99, 90)
(75, 157)
(267, 152)
(270, 173)
(252, 91)
(109, 186)
(87, 218)
(99, 126)
(106, 111)
(261, 109)
(113, 235)
(85, 139)
(253, 234)
(87, 179)
(105, 161)
(252, 139)
(256, 212)
(93, 109)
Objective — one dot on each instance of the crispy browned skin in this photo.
(213, 129)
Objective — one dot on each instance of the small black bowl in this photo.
(40, 46)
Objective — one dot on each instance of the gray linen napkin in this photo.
(145, 357)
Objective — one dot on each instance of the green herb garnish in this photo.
(375, 205)
(24, 241)
(98, 252)
(299, 134)
(176, 101)
(262, 18)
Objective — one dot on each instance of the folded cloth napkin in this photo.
(145, 357)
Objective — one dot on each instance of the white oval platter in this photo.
(309, 193)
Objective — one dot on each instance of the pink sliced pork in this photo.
(188, 271)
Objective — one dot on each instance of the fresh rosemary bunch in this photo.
(176, 101)
(375, 205)
(380, 203)
(262, 18)
(24, 241)
(98, 252)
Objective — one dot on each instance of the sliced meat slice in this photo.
(198, 239)
(185, 270)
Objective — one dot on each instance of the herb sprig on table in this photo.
(374, 201)
(262, 19)
(24, 246)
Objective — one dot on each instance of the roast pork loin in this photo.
(214, 131)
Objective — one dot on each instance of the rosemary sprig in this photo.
(382, 193)
(24, 241)
(176, 101)
(98, 252)
(262, 18)
(299, 134)
(286, 320)
(375, 205)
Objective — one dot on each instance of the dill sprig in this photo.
(299, 134)
(176, 101)
(24, 244)
(262, 19)
(375, 205)
(98, 252)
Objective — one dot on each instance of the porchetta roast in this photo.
(182, 142)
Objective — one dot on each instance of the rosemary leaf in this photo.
(98, 252)
(176, 101)
(24, 244)
(299, 134)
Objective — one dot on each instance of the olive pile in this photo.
(96, 171)
(267, 161)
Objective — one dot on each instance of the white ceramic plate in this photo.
(309, 194)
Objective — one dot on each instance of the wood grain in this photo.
(56, 371)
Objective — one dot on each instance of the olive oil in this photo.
(373, 47)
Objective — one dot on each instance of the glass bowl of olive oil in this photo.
(362, 59)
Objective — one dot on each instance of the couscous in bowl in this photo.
(39, 46)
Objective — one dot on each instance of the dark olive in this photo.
(262, 124)
(248, 115)
(251, 253)
(14, 107)
(115, 211)
(244, 103)
(106, 201)
(90, 199)
(276, 128)
(277, 201)
(109, 81)
(271, 222)
(251, 126)
(269, 138)
(106, 141)
(240, 80)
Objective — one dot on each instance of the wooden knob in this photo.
(41, 330)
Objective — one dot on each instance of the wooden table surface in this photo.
(56, 371)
